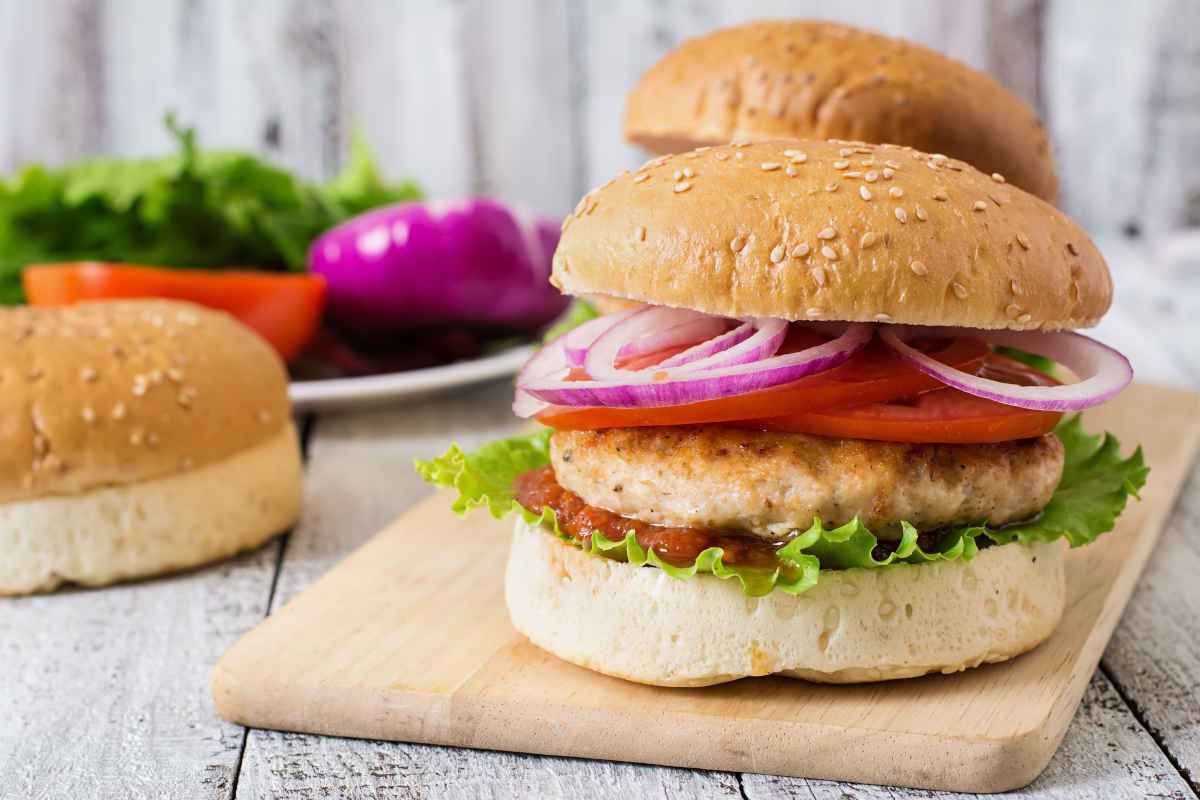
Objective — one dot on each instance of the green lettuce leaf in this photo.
(579, 312)
(194, 208)
(1095, 487)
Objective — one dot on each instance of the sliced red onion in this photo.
(577, 341)
(764, 342)
(700, 329)
(1102, 371)
(674, 386)
(615, 342)
(549, 363)
(712, 346)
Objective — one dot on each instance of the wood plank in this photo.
(52, 97)
(360, 476)
(379, 678)
(105, 691)
(403, 79)
(1106, 755)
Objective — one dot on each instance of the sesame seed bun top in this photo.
(833, 231)
(104, 394)
(817, 80)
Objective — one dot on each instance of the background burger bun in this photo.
(854, 626)
(807, 230)
(820, 80)
(137, 438)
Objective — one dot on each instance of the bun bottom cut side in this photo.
(116, 533)
(854, 626)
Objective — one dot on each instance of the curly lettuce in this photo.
(1095, 486)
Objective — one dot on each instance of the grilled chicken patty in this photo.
(763, 482)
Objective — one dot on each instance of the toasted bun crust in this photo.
(112, 394)
(114, 533)
(833, 231)
(854, 626)
(819, 80)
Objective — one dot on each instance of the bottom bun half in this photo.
(854, 626)
(116, 533)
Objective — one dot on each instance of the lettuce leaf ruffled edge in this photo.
(1092, 493)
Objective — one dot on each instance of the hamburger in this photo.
(137, 438)
(818, 80)
(839, 441)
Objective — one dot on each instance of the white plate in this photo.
(378, 389)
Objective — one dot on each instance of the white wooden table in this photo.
(104, 694)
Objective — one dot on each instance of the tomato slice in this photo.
(284, 308)
(941, 416)
(873, 375)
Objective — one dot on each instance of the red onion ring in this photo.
(654, 386)
(701, 329)
(551, 361)
(711, 347)
(1102, 371)
(576, 341)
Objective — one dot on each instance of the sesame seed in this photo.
(864, 193)
(841, 164)
(979, 206)
(739, 155)
(867, 162)
(1071, 249)
(1012, 310)
(777, 253)
(871, 176)
(186, 395)
(831, 187)
(818, 274)
(791, 171)
(941, 195)
(797, 156)
(87, 374)
(688, 172)
(139, 386)
(854, 174)
(1024, 318)
(868, 240)
(939, 158)
(151, 439)
(801, 250)
(813, 313)
(682, 186)
(639, 233)
(888, 173)
(770, 166)
(881, 317)
(118, 411)
(641, 177)
(893, 164)
(174, 374)
(866, 151)
(1016, 287)
(677, 175)
(1023, 240)
(736, 244)
(960, 291)
(827, 233)
(997, 177)
(921, 215)
(918, 268)
(896, 191)
(136, 437)
(901, 214)
(721, 156)
(829, 252)
(89, 414)
(845, 152)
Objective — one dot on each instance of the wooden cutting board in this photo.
(408, 639)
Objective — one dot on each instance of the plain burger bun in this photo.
(137, 438)
(819, 80)
(855, 625)
(807, 230)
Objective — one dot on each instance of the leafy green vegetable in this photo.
(1095, 486)
(1029, 359)
(579, 312)
(195, 208)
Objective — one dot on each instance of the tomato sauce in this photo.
(539, 489)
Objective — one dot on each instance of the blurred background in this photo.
(523, 99)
